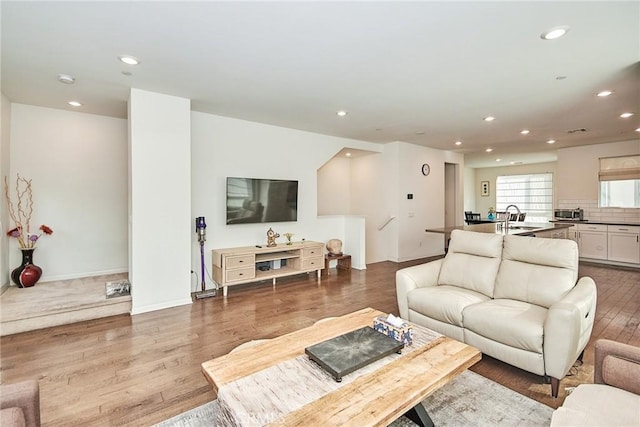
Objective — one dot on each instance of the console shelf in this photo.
(235, 266)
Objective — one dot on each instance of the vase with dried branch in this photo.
(27, 274)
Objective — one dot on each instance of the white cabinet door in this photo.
(592, 244)
(624, 247)
(572, 234)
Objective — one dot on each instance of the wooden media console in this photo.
(235, 266)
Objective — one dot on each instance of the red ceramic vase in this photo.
(27, 274)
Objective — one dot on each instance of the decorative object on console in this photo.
(334, 247)
(27, 273)
(271, 238)
(491, 212)
(288, 237)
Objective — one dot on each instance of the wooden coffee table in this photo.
(373, 398)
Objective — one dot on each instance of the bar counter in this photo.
(516, 228)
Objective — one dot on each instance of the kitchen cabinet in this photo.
(623, 243)
(592, 241)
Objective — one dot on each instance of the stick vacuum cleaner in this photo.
(201, 227)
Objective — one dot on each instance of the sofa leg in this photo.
(555, 385)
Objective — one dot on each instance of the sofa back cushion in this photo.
(472, 261)
(537, 270)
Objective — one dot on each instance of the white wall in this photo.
(482, 203)
(470, 190)
(93, 151)
(380, 192)
(159, 200)
(78, 164)
(578, 167)
(334, 187)
(5, 129)
(578, 183)
(223, 147)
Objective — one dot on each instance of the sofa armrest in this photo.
(618, 365)
(24, 395)
(568, 327)
(418, 276)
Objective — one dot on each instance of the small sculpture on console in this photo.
(334, 246)
(271, 238)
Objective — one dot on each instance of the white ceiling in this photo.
(420, 72)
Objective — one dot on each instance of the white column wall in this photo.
(160, 223)
(5, 110)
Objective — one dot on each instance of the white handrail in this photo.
(384, 224)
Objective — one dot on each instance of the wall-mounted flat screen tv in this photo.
(252, 200)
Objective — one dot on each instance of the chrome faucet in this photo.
(507, 215)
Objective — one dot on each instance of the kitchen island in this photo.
(543, 229)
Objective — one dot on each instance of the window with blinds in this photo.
(532, 194)
(619, 182)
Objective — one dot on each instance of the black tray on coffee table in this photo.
(351, 351)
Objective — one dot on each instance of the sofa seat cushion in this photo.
(443, 303)
(514, 323)
(598, 405)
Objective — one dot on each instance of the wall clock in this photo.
(425, 169)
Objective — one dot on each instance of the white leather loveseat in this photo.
(514, 298)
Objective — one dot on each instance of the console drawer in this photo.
(241, 274)
(315, 263)
(312, 252)
(240, 261)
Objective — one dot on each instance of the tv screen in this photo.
(252, 200)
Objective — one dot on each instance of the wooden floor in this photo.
(143, 369)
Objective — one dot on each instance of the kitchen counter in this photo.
(571, 222)
(515, 228)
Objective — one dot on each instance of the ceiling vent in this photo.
(577, 130)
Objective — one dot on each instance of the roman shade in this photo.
(619, 168)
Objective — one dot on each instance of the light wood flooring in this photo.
(140, 370)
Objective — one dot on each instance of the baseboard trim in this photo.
(54, 278)
(154, 307)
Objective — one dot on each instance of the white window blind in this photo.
(620, 182)
(532, 194)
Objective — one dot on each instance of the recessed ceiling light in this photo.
(129, 60)
(626, 115)
(488, 150)
(638, 130)
(348, 154)
(516, 163)
(604, 93)
(498, 160)
(551, 141)
(554, 33)
(66, 79)
(341, 113)
(489, 119)
(75, 104)
(458, 142)
(525, 131)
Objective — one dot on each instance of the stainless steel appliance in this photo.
(569, 214)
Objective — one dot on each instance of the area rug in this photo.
(468, 400)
